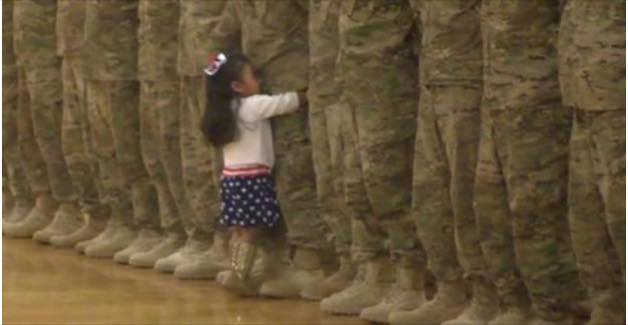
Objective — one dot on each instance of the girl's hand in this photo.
(302, 97)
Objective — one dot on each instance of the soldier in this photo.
(110, 69)
(159, 133)
(13, 170)
(378, 65)
(273, 34)
(40, 124)
(445, 160)
(592, 70)
(327, 145)
(520, 185)
(204, 253)
(75, 138)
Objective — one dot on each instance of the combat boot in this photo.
(336, 282)
(512, 315)
(107, 232)
(364, 293)
(171, 244)
(146, 240)
(448, 302)
(406, 294)
(121, 236)
(18, 212)
(208, 264)
(192, 249)
(305, 271)
(484, 305)
(38, 218)
(67, 220)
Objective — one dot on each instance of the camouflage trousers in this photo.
(201, 164)
(445, 159)
(13, 169)
(113, 115)
(39, 131)
(161, 151)
(597, 193)
(381, 126)
(75, 140)
(520, 194)
(327, 154)
(296, 183)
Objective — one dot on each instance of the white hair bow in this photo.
(215, 63)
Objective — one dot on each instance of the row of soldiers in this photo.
(478, 145)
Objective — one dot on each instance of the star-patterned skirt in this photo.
(249, 198)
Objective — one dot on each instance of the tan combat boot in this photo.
(145, 240)
(20, 210)
(38, 218)
(449, 301)
(484, 305)
(169, 245)
(336, 282)
(194, 247)
(378, 278)
(208, 264)
(67, 220)
(305, 271)
(406, 294)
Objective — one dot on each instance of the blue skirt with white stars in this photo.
(249, 201)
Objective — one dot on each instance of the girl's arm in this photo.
(259, 107)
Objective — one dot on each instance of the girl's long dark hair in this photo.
(219, 123)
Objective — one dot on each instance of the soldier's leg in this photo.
(16, 181)
(170, 155)
(156, 98)
(76, 150)
(114, 126)
(537, 173)
(327, 154)
(199, 165)
(45, 92)
(494, 220)
(34, 166)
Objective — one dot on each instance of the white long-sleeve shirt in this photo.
(254, 143)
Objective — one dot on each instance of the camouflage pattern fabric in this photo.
(40, 72)
(592, 55)
(324, 121)
(379, 81)
(159, 105)
(75, 130)
(448, 137)
(520, 188)
(17, 183)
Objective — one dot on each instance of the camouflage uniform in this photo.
(109, 61)
(200, 164)
(520, 188)
(592, 55)
(273, 35)
(379, 83)
(13, 169)
(324, 120)
(75, 132)
(159, 101)
(41, 111)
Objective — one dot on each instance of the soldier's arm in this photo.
(226, 34)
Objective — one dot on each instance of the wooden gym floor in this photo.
(47, 285)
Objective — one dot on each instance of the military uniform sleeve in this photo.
(226, 34)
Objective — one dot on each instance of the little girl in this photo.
(237, 120)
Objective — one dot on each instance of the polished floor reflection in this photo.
(46, 285)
